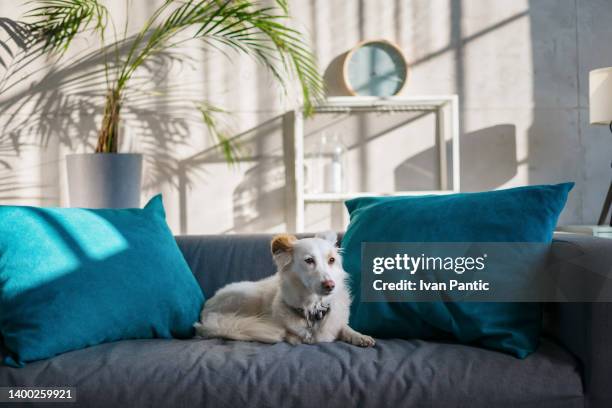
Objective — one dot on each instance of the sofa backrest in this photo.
(217, 260)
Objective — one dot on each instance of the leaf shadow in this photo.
(47, 103)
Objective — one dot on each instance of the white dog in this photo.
(306, 301)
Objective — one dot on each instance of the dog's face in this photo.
(315, 261)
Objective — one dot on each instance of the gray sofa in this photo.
(572, 367)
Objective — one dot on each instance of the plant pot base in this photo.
(104, 180)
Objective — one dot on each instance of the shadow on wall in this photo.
(488, 160)
(45, 105)
(488, 157)
(361, 132)
(63, 103)
(18, 38)
(333, 76)
(13, 188)
(259, 198)
(555, 151)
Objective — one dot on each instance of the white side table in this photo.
(602, 231)
(445, 107)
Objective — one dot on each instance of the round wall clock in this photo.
(375, 68)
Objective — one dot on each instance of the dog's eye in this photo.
(309, 261)
(332, 260)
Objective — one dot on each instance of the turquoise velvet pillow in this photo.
(72, 278)
(524, 214)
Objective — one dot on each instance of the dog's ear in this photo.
(282, 243)
(330, 236)
(282, 248)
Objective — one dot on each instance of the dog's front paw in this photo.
(308, 339)
(293, 339)
(362, 340)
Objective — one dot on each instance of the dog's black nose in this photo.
(328, 285)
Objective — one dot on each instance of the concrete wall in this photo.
(520, 68)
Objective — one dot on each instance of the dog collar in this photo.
(312, 316)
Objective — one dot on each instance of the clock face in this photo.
(376, 68)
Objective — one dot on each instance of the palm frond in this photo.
(58, 22)
(262, 33)
(245, 26)
(265, 34)
(228, 147)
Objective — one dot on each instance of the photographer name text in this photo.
(412, 265)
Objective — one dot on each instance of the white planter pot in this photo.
(104, 180)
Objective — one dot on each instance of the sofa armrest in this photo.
(585, 329)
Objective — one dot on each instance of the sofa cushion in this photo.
(219, 373)
(524, 214)
(72, 278)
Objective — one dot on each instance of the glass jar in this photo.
(327, 170)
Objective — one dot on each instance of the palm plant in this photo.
(242, 25)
